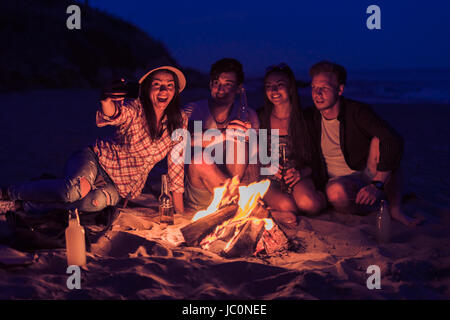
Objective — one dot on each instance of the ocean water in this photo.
(379, 86)
(400, 86)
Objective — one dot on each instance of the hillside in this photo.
(39, 51)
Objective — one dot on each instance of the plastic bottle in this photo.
(383, 224)
(165, 202)
(75, 241)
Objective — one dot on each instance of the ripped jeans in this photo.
(44, 195)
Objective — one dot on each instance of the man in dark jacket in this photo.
(358, 153)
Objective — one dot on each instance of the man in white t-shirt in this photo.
(221, 111)
(359, 152)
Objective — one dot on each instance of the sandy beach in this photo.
(138, 258)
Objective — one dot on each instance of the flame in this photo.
(248, 200)
(213, 206)
(269, 224)
(249, 196)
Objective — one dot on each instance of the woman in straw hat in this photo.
(101, 174)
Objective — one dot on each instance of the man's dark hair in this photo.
(227, 65)
(327, 66)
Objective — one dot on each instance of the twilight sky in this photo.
(414, 34)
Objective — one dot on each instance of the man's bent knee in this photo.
(286, 204)
(199, 169)
(337, 195)
(309, 205)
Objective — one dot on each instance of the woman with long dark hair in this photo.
(99, 175)
(292, 188)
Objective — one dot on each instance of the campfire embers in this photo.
(237, 223)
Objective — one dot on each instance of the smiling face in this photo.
(224, 88)
(162, 89)
(277, 88)
(325, 90)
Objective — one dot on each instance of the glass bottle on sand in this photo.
(75, 241)
(243, 112)
(383, 225)
(283, 164)
(165, 202)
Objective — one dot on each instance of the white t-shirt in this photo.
(331, 149)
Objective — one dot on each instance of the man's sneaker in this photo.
(6, 205)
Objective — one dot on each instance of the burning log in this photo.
(260, 211)
(272, 241)
(194, 232)
(238, 237)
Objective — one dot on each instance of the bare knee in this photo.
(85, 187)
(200, 169)
(286, 204)
(76, 189)
(196, 171)
(96, 201)
(206, 175)
(310, 204)
(337, 195)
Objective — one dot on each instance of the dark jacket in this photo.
(358, 125)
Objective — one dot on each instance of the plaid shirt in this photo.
(129, 156)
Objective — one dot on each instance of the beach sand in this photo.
(141, 259)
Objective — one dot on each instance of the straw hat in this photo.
(177, 72)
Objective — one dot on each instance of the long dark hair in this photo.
(299, 143)
(173, 111)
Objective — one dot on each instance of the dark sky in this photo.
(414, 34)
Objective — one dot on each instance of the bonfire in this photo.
(236, 223)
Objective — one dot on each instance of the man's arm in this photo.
(391, 143)
(382, 176)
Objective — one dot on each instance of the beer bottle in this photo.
(166, 209)
(383, 226)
